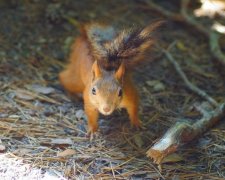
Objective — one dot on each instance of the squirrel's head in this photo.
(106, 89)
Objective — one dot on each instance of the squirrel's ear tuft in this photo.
(120, 72)
(96, 71)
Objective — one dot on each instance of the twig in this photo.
(164, 12)
(191, 86)
(18, 107)
(184, 17)
(190, 19)
(210, 34)
(215, 47)
(72, 21)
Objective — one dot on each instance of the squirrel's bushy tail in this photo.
(110, 49)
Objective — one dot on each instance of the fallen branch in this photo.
(185, 131)
(184, 17)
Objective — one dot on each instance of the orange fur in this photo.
(104, 90)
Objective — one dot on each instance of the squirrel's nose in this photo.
(106, 109)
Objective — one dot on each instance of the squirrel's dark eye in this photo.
(93, 91)
(120, 93)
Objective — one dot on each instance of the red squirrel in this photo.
(101, 65)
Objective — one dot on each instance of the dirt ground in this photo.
(38, 121)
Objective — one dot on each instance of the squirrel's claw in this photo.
(91, 136)
(137, 125)
(92, 130)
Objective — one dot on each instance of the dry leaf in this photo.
(22, 94)
(180, 45)
(62, 141)
(138, 140)
(22, 151)
(156, 85)
(172, 158)
(67, 152)
(153, 175)
(41, 89)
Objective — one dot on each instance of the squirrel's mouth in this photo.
(106, 113)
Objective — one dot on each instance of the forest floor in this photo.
(43, 132)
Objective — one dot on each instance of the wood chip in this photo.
(67, 152)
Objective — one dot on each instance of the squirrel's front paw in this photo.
(137, 124)
(92, 132)
(93, 135)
